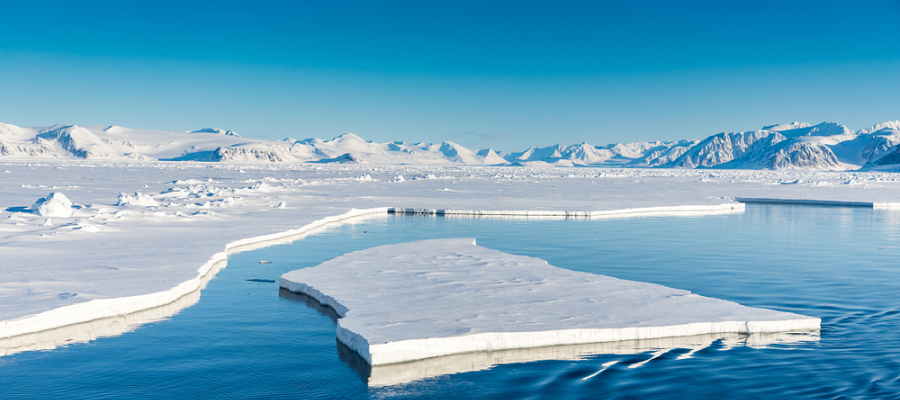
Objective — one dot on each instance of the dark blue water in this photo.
(245, 340)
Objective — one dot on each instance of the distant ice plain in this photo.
(110, 249)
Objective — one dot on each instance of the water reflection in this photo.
(118, 325)
(402, 373)
(104, 327)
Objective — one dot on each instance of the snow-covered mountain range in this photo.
(826, 147)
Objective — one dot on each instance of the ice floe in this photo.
(433, 298)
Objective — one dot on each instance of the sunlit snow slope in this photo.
(797, 146)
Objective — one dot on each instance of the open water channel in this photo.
(247, 339)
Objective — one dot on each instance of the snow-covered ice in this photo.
(143, 254)
(434, 298)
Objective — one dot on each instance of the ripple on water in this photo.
(243, 340)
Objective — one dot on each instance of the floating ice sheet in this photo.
(434, 298)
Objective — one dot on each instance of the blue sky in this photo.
(499, 74)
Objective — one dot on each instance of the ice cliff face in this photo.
(826, 146)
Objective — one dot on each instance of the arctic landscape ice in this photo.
(96, 248)
(468, 200)
(86, 235)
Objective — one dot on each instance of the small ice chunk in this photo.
(54, 205)
(139, 199)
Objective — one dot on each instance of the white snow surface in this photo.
(111, 259)
(439, 297)
(827, 146)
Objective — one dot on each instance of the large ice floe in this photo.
(433, 298)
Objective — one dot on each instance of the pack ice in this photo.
(434, 298)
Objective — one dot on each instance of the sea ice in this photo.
(137, 259)
(434, 298)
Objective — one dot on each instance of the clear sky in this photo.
(500, 74)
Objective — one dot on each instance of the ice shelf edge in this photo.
(113, 307)
(411, 350)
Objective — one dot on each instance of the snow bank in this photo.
(54, 205)
(434, 298)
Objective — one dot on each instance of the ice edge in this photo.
(114, 307)
(864, 204)
(105, 308)
(418, 349)
(646, 211)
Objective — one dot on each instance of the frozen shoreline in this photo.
(106, 252)
(106, 308)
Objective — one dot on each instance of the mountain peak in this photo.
(894, 125)
(786, 127)
(216, 131)
(349, 136)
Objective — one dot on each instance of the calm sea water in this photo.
(243, 339)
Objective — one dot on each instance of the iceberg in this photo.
(434, 298)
